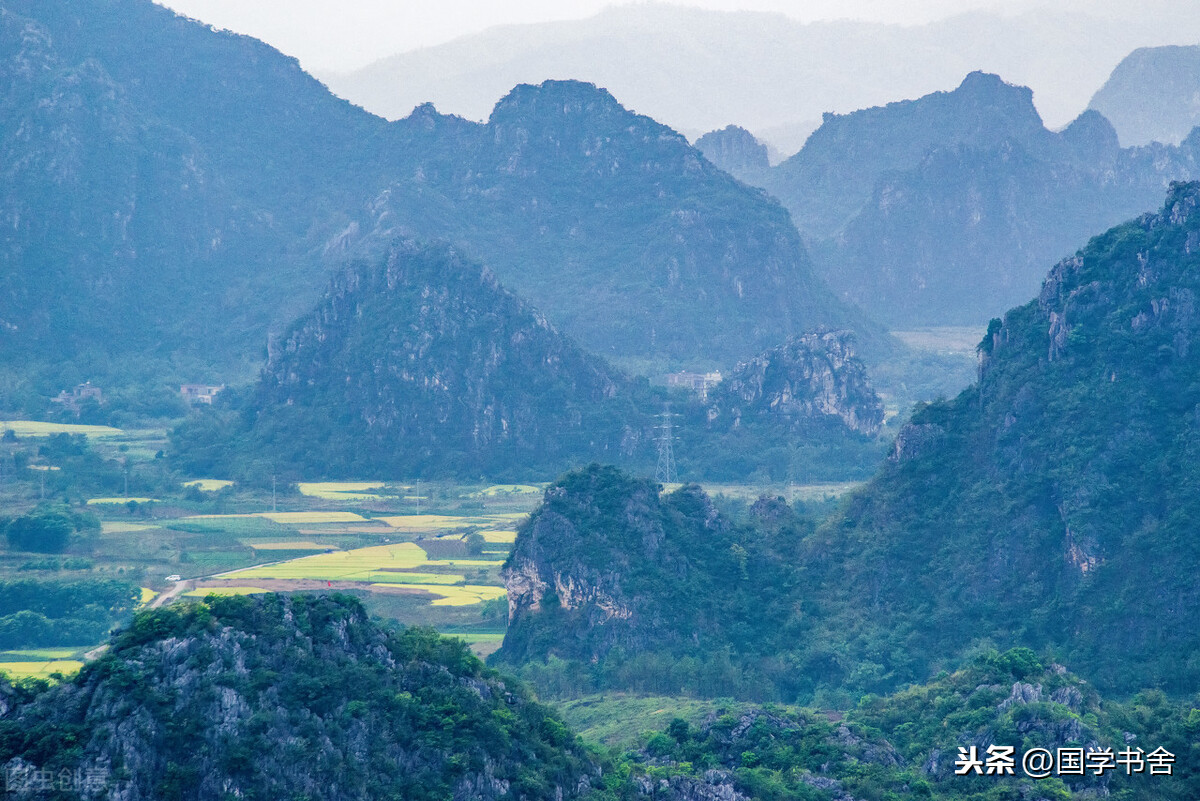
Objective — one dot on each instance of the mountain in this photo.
(697, 70)
(286, 697)
(905, 745)
(736, 151)
(422, 364)
(609, 572)
(301, 696)
(944, 210)
(833, 176)
(582, 206)
(193, 197)
(1153, 95)
(802, 411)
(1050, 505)
(167, 190)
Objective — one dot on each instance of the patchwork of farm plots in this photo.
(431, 558)
(40, 663)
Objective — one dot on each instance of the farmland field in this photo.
(345, 565)
(341, 490)
(203, 592)
(41, 654)
(425, 523)
(33, 428)
(511, 489)
(290, 517)
(363, 538)
(287, 546)
(39, 670)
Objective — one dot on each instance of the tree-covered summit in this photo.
(288, 697)
(1053, 504)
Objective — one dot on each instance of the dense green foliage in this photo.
(614, 586)
(302, 696)
(422, 364)
(905, 745)
(295, 697)
(1053, 505)
(48, 613)
(803, 411)
(1050, 506)
(49, 529)
(191, 196)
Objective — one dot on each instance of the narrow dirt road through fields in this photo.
(179, 588)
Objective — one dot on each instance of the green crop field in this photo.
(302, 545)
(341, 490)
(289, 517)
(33, 428)
(116, 501)
(432, 523)
(511, 489)
(40, 654)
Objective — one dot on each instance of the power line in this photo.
(665, 472)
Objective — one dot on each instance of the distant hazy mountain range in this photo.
(1153, 95)
(946, 209)
(167, 206)
(697, 70)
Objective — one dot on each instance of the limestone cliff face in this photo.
(1060, 488)
(424, 361)
(288, 697)
(810, 377)
(607, 562)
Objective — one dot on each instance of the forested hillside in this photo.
(192, 195)
(1050, 506)
(421, 364)
(284, 698)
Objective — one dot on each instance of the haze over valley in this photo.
(650, 401)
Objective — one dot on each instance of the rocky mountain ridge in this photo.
(804, 379)
(280, 696)
(1047, 506)
(186, 247)
(944, 210)
(1153, 95)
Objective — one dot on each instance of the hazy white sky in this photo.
(343, 35)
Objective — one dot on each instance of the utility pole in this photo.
(273, 509)
(418, 496)
(665, 472)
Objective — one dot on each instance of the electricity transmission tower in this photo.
(665, 472)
